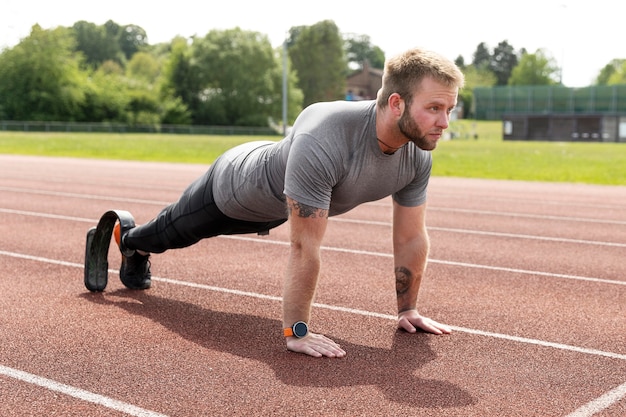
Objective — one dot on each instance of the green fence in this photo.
(493, 102)
(33, 126)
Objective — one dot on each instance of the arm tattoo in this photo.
(403, 280)
(307, 211)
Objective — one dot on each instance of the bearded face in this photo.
(409, 128)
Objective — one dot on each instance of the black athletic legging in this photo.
(192, 218)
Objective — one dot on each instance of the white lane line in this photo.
(433, 208)
(360, 252)
(336, 308)
(81, 394)
(85, 196)
(359, 312)
(524, 200)
(532, 237)
(442, 262)
(587, 410)
(357, 252)
(601, 403)
(488, 233)
(48, 216)
(356, 221)
(529, 216)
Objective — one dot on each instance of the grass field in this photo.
(486, 156)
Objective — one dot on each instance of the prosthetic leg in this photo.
(97, 247)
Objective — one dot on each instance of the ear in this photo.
(396, 104)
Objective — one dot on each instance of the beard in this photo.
(412, 131)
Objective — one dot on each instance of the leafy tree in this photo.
(106, 98)
(318, 57)
(143, 66)
(619, 75)
(502, 62)
(474, 77)
(180, 77)
(181, 82)
(236, 82)
(359, 49)
(482, 56)
(535, 69)
(97, 43)
(132, 39)
(460, 61)
(40, 78)
(608, 70)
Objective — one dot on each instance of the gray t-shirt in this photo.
(330, 160)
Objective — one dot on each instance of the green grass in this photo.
(491, 157)
(488, 156)
(200, 149)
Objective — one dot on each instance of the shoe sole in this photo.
(97, 248)
(96, 264)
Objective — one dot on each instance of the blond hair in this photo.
(403, 74)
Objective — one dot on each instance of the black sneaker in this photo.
(135, 270)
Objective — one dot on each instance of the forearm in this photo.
(307, 227)
(409, 265)
(299, 285)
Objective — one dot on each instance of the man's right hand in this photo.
(316, 345)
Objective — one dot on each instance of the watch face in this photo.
(300, 329)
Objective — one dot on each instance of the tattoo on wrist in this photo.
(304, 210)
(403, 280)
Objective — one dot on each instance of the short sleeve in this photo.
(311, 172)
(414, 193)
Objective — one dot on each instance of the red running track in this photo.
(530, 275)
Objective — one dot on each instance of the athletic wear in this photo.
(135, 269)
(330, 160)
(135, 272)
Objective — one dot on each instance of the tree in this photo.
(619, 75)
(97, 43)
(143, 66)
(482, 56)
(535, 69)
(106, 98)
(474, 77)
(237, 80)
(132, 39)
(502, 62)
(40, 78)
(181, 82)
(318, 57)
(608, 70)
(359, 49)
(460, 61)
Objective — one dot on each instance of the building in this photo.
(561, 127)
(555, 113)
(364, 84)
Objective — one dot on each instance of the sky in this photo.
(582, 36)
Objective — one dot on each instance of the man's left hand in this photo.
(411, 320)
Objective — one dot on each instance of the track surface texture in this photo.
(532, 277)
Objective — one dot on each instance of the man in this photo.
(338, 155)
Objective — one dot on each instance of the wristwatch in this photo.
(299, 330)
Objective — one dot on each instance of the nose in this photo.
(444, 120)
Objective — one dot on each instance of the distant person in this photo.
(337, 156)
